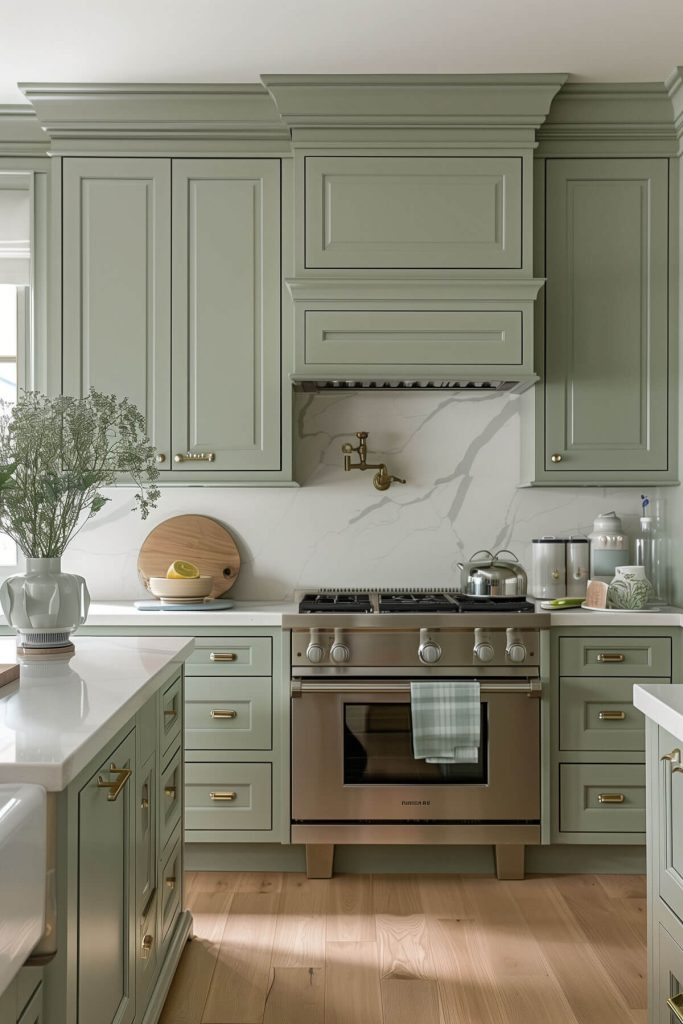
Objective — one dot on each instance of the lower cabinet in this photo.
(22, 1003)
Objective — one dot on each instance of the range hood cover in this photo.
(462, 387)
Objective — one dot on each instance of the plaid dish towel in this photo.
(446, 720)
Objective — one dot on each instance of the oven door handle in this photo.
(532, 688)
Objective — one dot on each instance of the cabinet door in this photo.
(106, 890)
(146, 836)
(116, 284)
(670, 831)
(606, 338)
(226, 315)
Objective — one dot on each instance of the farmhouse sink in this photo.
(23, 852)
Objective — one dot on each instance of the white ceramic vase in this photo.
(44, 604)
(630, 589)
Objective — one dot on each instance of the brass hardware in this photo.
(382, 478)
(674, 756)
(170, 712)
(144, 804)
(170, 882)
(611, 798)
(222, 656)
(612, 716)
(556, 457)
(607, 658)
(116, 787)
(223, 796)
(194, 457)
(146, 947)
(223, 713)
(675, 1004)
(677, 768)
(169, 791)
(161, 457)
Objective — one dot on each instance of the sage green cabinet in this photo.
(427, 212)
(22, 1002)
(106, 892)
(607, 413)
(669, 809)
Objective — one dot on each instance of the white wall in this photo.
(461, 459)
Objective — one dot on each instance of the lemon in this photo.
(182, 571)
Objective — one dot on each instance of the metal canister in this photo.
(578, 566)
(548, 567)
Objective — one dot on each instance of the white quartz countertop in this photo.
(245, 613)
(60, 714)
(582, 617)
(662, 703)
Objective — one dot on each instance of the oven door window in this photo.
(378, 750)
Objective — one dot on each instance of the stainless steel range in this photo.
(354, 776)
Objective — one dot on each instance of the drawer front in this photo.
(372, 338)
(389, 212)
(171, 713)
(670, 812)
(27, 981)
(602, 798)
(228, 714)
(33, 1014)
(147, 953)
(668, 981)
(222, 656)
(615, 656)
(228, 796)
(171, 887)
(598, 714)
(170, 797)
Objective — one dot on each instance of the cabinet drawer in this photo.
(228, 714)
(171, 713)
(171, 887)
(147, 953)
(615, 656)
(223, 656)
(669, 844)
(228, 796)
(170, 796)
(389, 211)
(598, 714)
(602, 798)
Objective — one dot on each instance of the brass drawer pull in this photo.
(223, 713)
(677, 768)
(608, 658)
(675, 1004)
(170, 791)
(146, 947)
(612, 716)
(194, 457)
(222, 656)
(170, 713)
(674, 756)
(556, 457)
(223, 796)
(116, 787)
(611, 798)
(170, 882)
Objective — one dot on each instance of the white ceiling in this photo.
(237, 40)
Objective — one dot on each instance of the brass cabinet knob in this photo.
(161, 457)
(170, 791)
(170, 882)
(556, 457)
(146, 947)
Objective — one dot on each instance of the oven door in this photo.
(352, 757)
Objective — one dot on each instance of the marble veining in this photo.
(460, 455)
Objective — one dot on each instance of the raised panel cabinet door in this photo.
(116, 261)
(606, 338)
(670, 837)
(226, 315)
(392, 212)
(106, 893)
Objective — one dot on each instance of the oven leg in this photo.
(319, 860)
(509, 861)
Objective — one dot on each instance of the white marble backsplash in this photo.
(460, 456)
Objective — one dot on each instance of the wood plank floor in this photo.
(408, 949)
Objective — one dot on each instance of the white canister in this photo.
(609, 546)
(578, 566)
(548, 567)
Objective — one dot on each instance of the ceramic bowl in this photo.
(180, 590)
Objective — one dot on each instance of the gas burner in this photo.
(492, 604)
(416, 602)
(336, 602)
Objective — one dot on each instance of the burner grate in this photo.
(417, 601)
(334, 601)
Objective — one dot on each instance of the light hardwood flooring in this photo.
(408, 949)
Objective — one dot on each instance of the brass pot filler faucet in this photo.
(382, 478)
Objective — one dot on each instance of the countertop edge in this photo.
(654, 700)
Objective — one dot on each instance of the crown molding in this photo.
(130, 111)
(20, 132)
(674, 86)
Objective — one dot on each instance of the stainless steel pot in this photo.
(489, 575)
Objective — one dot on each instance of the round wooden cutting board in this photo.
(197, 539)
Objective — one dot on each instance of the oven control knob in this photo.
(429, 652)
(515, 647)
(315, 651)
(340, 652)
(483, 648)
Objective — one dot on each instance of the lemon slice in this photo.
(182, 571)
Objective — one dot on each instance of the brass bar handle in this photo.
(222, 656)
(116, 787)
(170, 713)
(675, 1004)
(194, 457)
(674, 757)
(170, 882)
(146, 947)
(611, 798)
(223, 796)
(611, 658)
(170, 791)
(223, 713)
(677, 768)
(612, 716)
